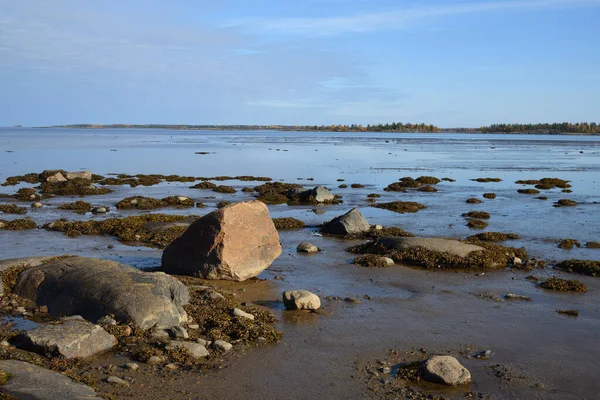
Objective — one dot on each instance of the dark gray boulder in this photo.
(350, 223)
(69, 337)
(94, 288)
(30, 382)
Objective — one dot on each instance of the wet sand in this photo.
(323, 354)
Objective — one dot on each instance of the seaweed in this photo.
(565, 203)
(74, 187)
(27, 178)
(288, 223)
(373, 195)
(485, 180)
(584, 267)
(477, 214)
(427, 188)
(570, 313)
(568, 244)
(27, 194)
(77, 206)
(275, 192)
(494, 236)
(476, 224)
(148, 203)
(12, 209)
(395, 187)
(357, 186)
(374, 233)
(204, 185)
(223, 204)
(473, 200)
(528, 191)
(224, 189)
(563, 285)
(248, 190)
(343, 186)
(428, 180)
(17, 224)
(128, 230)
(370, 261)
(401, 206)
(490, 196)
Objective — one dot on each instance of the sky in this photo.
(451, 63)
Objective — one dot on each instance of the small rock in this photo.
(28, 314)
(172, 366)
(306, 247)
(301, 300)
(203, 342)
(222, 345)
(20, 310)
(132, 366)
(351, 300)
(378, 227)
(4, 343)
(484, 355)
(159, 334)
(242, 314)
(117, 381)
(446, 370)
(388, 261)
(196, 350)
(43, 309)
(194, 326)
(182, 198)
(517, 261)
(37, 204)
(106, 320)
(99, 210)
(512, 296)
(179, 332)
(154, 360)
(127, 331)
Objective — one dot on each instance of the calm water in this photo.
(408, 308)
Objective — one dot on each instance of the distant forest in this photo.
(555, 128)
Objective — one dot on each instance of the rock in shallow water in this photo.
(235, 243)
(350, 223)
(446, 370)
(437, 245)
(301, 300)
(306, 247)
(196, 350)
(94, 288)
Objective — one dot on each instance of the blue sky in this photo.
(450, 62)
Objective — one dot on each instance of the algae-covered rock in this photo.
(453, 247)
(563, 285)
(288, 223)
(585, 267)
(400, 206)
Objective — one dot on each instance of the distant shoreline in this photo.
(281, 128)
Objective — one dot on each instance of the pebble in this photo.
(512, 296)
(242, 314)
(171, 366)
(378, 227)
(43, 309)
(222, 345)
(127, 331)
(194, 326)
(132, 366)
(517, 261)
(37, 204)
(351, 300)
(159, 334)
(107, 321)
(179, 332)
(117, 381)
(154, 360)
(4, 343)
(203, 342)
(484, 355)
(99, 210)
(20, 310)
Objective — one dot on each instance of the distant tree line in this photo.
(565, 127)
(393, 127)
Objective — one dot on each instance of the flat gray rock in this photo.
(71, 338)
(94, 288)
(29, 382)
(437, 245)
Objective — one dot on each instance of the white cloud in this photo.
(393, 19)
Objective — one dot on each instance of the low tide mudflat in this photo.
(392, 315)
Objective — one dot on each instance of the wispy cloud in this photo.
(396, 18)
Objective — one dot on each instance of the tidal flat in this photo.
(397, 314)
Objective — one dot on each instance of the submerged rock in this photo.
(301, 300)
(437, 245)
(446, 370)
(30, 382)
(306, 247)
(94, 288)
(70, 338)
(236, 243)
(352, 222)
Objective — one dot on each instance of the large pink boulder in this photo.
(235, 243)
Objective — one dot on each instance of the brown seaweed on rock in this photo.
(565, 203)
(77, 206)
(568, 244)
(477, 214)
(17, 224)
(128, 230)
(74, 187)
(12, 209)
(490, 196)
(476, 224)
(401, 206)
(563, 285)
(373, 233)
(148, 203)
(493, 257)
(494, 237)
(288, 223)
(485, 180)
(585, 267)
(473, 200)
